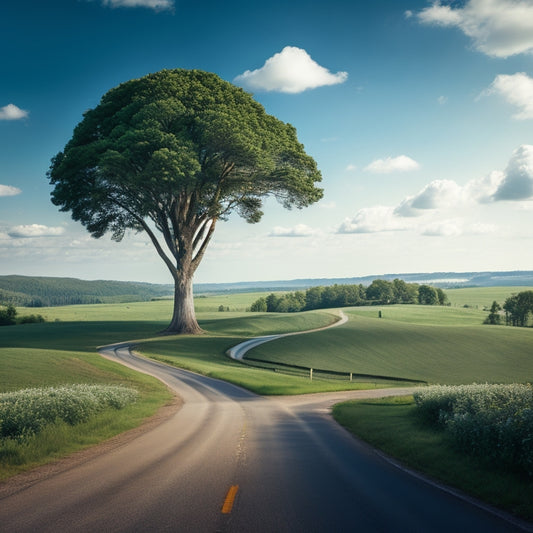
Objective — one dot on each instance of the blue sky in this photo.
(419, 115)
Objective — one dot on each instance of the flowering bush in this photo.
(495, 421)
(27, 411)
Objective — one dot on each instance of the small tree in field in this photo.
(171, 154)
(494, 317)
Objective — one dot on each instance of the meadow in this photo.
(481, 297)
(434, 344)
(428, 343)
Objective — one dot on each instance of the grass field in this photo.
(433, 344)
(481, 297)
(445, 345)
(42, 355)
(393, 426)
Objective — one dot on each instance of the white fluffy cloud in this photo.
(12, 112)
(300, 230)
(373, 220)
(34, 230)
(437, 194)
(517, 89)
(401, 163)
(156, 5)
(424, 211)
(517, 180)
(8, 190)
(290, 71)
(499, 28)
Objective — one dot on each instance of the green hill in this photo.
(27, 291)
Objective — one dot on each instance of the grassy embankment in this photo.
(63, 351)
(54, 354)
(433, 344)
(440, 345)
(446, 345)
(392, 425)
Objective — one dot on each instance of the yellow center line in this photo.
(230, 499)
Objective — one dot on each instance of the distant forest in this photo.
(379, 292)
(26, 291)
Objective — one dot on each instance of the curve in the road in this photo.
(238, 351)
(231, 461)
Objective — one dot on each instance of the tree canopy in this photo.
(171, 154)
(379, 292)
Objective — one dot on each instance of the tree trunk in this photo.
(184, 317)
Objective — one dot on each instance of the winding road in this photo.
(230, 461)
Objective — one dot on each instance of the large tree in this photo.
(172, 153)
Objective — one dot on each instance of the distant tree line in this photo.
(28, 291)
(518, 309)
(8, 317)
(379, 292)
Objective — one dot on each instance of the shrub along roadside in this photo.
(492, 421)
(27, 412)
(393, 425)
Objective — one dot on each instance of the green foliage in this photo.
(31, 319)
(492, 421)
(428, 343)
(518, 308)
(392, 425)
(177, 151)
(28, 291)
(8, 316)
(427, 295)
(494, 317)
(177, 132)
(27, 411)
(380, 291)
(259, 306)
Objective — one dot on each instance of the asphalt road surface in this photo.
(229, 460)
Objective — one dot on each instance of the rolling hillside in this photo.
(47, 292)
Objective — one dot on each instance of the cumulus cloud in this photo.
(514, 183)
(300, 230)
(290, 71)
(424, 211)
(156, 5)
(8, 190)
(499, 28)
(373, 220)
(437, 194)
(401, 163)
(12, 112)
(517, 89)
(34, 230)
(482, 190)
(517, 182)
